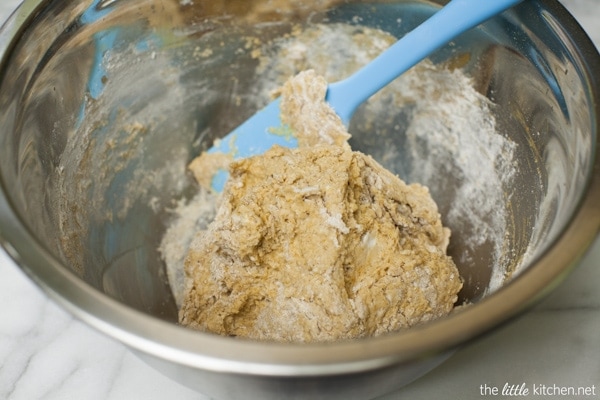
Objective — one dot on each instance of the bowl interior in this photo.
(103, 104)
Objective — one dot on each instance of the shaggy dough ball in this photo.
(318, 243)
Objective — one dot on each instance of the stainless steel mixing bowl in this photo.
(102, 103)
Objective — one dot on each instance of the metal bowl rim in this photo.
(183, 346)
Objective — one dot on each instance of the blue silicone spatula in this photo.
(254, 136)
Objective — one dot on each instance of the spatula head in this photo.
(255, 136)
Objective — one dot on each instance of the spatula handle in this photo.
(456, 17)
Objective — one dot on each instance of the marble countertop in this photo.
(47, 354)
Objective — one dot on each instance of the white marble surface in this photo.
(46, 354)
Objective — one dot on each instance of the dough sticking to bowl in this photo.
(317, 243)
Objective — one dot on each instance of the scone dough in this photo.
(318, 243)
